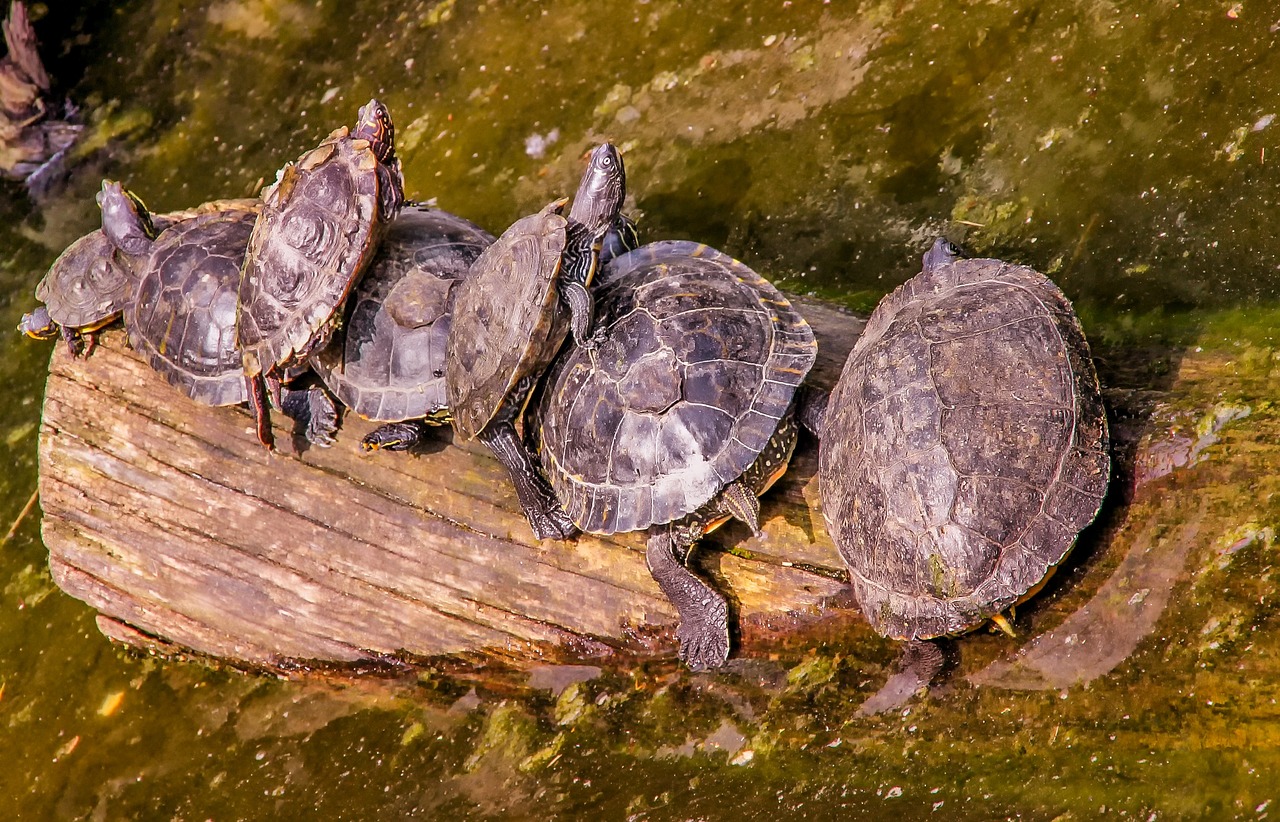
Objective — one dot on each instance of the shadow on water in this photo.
(1129, 155)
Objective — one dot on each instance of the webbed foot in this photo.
(704, 613)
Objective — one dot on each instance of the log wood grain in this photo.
(170, 520)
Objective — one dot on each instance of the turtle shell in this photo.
(700, 360)
(316, 234)
(388, 364)
(964, 448)
(506, 324)
(88, 284)
(183, 317)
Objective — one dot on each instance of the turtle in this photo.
(87, 286)
(680, 418)
(91, 282)
(510, 319)
(316, 234)
(388, 363)
(181, 316)
(962, 451)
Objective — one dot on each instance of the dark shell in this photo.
(965, 447)
(183, 317)
(700, 362)
(89, 283)
(319, 227)
(388, 365)
(506, 323)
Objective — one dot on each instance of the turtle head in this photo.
(38, 325)
(125, 220)
(603, 188)
(942, 253)
(374, 124)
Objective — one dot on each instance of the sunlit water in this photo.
(1128, 152)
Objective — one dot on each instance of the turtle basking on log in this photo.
(511, 314)
(388, 363)
(317, 232)
(182, 312)
(679, 418)
(963, 449)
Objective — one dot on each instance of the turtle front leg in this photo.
(581, 313)
(261, 409)
(704, 613)
(545, 514)
(72, 338)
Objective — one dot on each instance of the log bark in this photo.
(168, 518)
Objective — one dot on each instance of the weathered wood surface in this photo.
(170, 520)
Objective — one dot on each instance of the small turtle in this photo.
(319, 227)
(509, 322)
(182, 315)
(963, 449)
(681, 416)
(89, 284)
(388, 363)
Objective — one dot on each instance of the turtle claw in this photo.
(704, 639)
(550, 522)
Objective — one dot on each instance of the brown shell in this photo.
(965, 447)
(700, 360)
(388, 363)
(319, 226)
(183, 317)
(506, 322)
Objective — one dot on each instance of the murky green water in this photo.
(1126, 149)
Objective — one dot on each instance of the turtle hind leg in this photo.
(314, 413)
(395, 436)
(704, 613)
(921, 662)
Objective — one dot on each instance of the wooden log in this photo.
(170, 520)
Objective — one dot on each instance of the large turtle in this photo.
(963, 449)
(388, 363)
(182, 313)
(679, 418)
(509, 321)
(319, 227)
